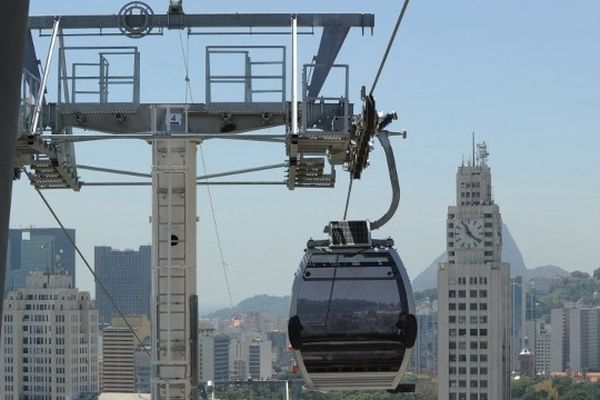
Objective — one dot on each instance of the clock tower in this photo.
(474, 292)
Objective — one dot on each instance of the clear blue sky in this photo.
(522, 75)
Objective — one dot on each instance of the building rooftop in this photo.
(125, 396)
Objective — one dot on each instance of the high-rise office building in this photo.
(118, 371)
(38, 249)
(221, 354)
(575, 340)
(474, 297)
(424, 353)
(206, 351)
(281, 355)
(259, 355)
(517, 321)
(49, 340)
(126, 276)
(119, 345)
(542, 352)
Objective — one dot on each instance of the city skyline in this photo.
(528, 88)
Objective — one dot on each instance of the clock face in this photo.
(468, 233)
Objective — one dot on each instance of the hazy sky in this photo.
(522, 75)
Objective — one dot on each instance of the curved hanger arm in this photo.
(384, 139)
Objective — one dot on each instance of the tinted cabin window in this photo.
(349, 297)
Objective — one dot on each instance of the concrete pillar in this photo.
(12, 42)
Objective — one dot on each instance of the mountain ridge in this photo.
(278, 305)
(511, 254)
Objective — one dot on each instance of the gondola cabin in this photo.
(352, 323)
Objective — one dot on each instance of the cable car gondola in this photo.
(352, 323)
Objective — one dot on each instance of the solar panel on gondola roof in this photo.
(349, 233)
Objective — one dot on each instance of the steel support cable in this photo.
(389, 46)
(218, 236)
(87, 264)
(185, 52)
(188, 89)
(377, 76)
(348, 198)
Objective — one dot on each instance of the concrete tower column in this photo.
(12, 39)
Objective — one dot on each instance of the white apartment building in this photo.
(49, 340)
(539, 336)
(474, 294)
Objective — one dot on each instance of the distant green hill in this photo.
(576, 287)
(278, 305)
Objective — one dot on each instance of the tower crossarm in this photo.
(234, 20)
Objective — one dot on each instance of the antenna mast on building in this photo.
(60, 266)
(482, 153)
(473, 148)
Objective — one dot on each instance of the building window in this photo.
(462, 293)
(462, 357)
(462, 370)
(483, 306)
(483, 293)
(462, 384)
(452, 293)
(473, 384)
(462, 346)
(483, 332)
(452, 319)
(473, 332)
(483, 358)
(452, 357)
(462, 319)
(488, 234)
(473, 345)
(473, 293)
(462, 306)
(488, 225)
(452, 332)
(483, 319)
(452, 306)
(483, 384)
(452, 370)
(473, 306)
(483, 370)
(462, 332)
(473, 396)
(473, 358)
(452, 345)
(473, 319)
(488, 244)
(483, 345)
